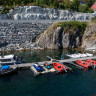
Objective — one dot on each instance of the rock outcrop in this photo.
(89, 37)
(55, 37)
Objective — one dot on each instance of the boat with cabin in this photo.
(10, 60)
(7, 60)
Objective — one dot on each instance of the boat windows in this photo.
(5, 60)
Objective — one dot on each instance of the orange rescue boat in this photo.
(91, 62)
(83, 63)
(60, 67)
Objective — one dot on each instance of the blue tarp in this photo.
(5, 67)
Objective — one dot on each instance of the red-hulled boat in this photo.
(83, 63)
(60, 67)
(91, 62)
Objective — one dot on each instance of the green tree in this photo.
(75, 5)
(67, 4)
(83, 8)
(55, 4)
(38, 2)
(90, 2)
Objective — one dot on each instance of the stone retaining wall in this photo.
(20, 32)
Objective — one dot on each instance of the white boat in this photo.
(89, 54)
(79, 55)
(7, 59)
(83, 55)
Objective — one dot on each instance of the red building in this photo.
(94, 7)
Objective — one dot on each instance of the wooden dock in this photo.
(30, 65)
(78, 66)
(52, 61)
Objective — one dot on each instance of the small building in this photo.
(94, 7)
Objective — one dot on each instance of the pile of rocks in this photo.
(18, 47)
(36, 12)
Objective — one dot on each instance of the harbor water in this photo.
(23, 82)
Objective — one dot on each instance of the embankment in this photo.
(45, 35)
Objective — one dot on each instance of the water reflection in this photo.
(40, 55)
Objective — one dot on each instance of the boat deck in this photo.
(42, 72)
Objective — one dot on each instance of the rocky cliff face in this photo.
(39, 13)
(57, 36)
(89, 37)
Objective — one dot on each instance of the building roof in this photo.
(7, 57)
(94, 6)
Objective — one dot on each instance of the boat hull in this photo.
(9, 72)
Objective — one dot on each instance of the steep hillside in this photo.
(39, 13)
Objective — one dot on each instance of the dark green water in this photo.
(23, 83)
